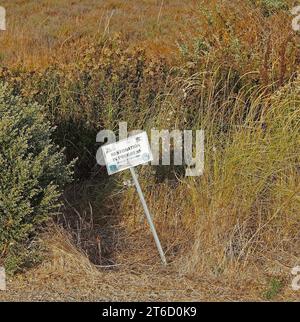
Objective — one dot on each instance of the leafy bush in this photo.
(110, 83)
(271, 6)
(33, 172)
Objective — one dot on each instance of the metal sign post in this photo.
(126, 154)
(148, 215)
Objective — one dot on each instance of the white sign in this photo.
(127, 153)
(2, 18)
(2, 279)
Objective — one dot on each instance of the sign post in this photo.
(126, 154)
(147, 213)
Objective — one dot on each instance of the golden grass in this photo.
(37, 31)
(226, 234)
(41, 33)
(67, 275)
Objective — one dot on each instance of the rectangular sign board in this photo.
(128, 153)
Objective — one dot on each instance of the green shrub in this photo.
(271, 6)
(274, 288)
(33, 172)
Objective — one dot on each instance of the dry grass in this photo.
(67, 275)
(37, 31)
(52, 31)
(230, 70)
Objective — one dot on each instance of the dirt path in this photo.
(123, 286)
(68, 275)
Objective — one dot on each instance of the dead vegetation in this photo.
(228, 68)
(67, 275)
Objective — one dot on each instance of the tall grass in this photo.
(237, 80)
(244, 211)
